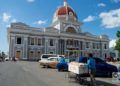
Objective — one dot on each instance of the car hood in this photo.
(112, 67)
(44, 60)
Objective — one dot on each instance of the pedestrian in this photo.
(14, 59)
(92, 68)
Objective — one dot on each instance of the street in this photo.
(23, 73)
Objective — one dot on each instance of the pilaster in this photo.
(25, 48)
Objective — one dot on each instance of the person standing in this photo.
(92, 68)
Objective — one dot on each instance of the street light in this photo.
(100, 46)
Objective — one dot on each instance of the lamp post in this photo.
(100, 47)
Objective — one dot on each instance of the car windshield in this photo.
(61, 56)
(46, 56)
(98, 60)
(53, 59)
(83, 59)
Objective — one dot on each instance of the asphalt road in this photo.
(24, 73)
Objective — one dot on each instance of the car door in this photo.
(53, 63)
(83, 59)
(101, 68)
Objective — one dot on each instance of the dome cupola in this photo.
(65, 12)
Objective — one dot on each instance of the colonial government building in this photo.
(64, 37)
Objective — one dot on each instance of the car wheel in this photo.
(59, 70)
(46, 66)
(109, 74)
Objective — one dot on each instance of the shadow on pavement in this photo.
(98, 82)
(102, 83)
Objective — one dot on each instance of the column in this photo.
(101, 54)
(56, 45)
(43, 46)
(11, 46)
(46, 43)
(25, 48)
(10, 55)
(60, 49)
(64, 46)
(84, 47)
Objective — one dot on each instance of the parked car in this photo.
(53, 61)
(0, 59)
(7, 59)
(62, 65)
(49, 60)
(102, 68)
(46, 56)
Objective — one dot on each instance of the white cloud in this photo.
(110, 19)
(101, 5)
(8, 25)
(6, 17)
(89, 19)
(30, 1)
(112, 43)
(116, 1)
(13, 20)
(40, 22)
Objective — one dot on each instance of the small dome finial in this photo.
(65, 2)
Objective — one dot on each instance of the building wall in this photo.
(60, 46)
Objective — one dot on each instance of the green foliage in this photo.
(2, 54)
(118, 34)
(117, 47)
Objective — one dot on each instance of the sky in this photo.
(98, 16)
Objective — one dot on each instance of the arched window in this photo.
(70, 13)
(71, 30)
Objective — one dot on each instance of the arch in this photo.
(70, 29)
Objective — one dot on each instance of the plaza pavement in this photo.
(24, 73)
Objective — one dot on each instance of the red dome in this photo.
(65, 10)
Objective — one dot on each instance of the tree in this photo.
(0, 55)
(118, 34)
(117, 47)
(3, 55)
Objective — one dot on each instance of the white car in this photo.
(50, 62)
(46, 56)
(7, 59)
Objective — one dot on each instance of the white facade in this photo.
(64, 37)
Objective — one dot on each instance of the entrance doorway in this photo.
(18, 54)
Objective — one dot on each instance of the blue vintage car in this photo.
(62, 65)
(102, 68)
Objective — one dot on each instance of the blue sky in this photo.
(99, 16)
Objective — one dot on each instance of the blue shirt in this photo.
(91, 63)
